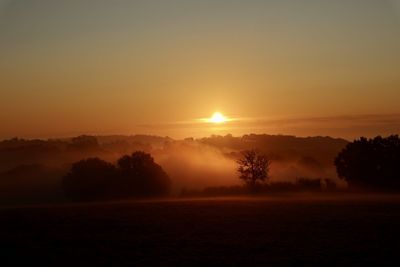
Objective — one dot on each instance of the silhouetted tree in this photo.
(372, 163)
(136, 175)
(89, 180)
(253, 168)
(141, 176)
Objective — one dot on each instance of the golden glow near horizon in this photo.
(127, 67)
(217, 118)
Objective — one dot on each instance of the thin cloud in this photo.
(345, 126)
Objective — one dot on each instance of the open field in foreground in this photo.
(351, 231)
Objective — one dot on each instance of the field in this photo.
(279, 231)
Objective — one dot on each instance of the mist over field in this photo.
(200, 133)
(32, 170)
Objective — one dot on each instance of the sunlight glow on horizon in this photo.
(164, 67)
(217, 118)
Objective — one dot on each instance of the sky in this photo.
(300, 67)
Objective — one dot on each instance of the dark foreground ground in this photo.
(260, 232)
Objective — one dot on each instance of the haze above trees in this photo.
(32, 170)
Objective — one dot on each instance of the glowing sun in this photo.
(217, 117)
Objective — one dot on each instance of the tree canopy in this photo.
(371, 163)
(89, 179)
(135, 175)
(141, 176)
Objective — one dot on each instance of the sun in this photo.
(217, 118)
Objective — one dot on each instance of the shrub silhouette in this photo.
(308, 184)
(136, 175)
(371, 163)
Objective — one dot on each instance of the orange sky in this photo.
(156, 67)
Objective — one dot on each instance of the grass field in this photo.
(295, 231)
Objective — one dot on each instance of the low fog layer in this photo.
(31, 170)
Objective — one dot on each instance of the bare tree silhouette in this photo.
(253, 168)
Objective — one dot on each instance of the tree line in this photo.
(372, 164)
(366, 163)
